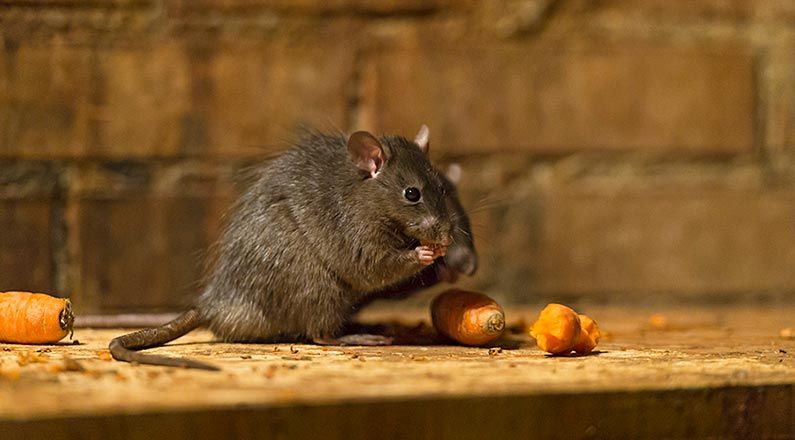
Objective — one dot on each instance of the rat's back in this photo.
(267, 278)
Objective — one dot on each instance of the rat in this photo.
(329, 223)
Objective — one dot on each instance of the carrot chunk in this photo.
(34, 318)
(560, 330)
(469, 318)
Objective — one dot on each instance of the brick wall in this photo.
(612, 149)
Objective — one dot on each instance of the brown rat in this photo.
(328, 223)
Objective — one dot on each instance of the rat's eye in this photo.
(412, 194)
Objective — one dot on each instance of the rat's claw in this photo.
(425, 255)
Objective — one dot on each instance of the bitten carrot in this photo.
(560, 330)
(557, 329)
(470, 318)
(34, 318)
(589, 335)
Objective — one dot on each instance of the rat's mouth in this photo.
(414, 239)
(433, 244)
(414, 242)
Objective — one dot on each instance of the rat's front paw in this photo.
(425, 254)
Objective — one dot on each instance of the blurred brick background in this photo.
(614, 150)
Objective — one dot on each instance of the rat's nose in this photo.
(440, 230)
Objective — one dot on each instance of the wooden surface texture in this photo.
(678, 372)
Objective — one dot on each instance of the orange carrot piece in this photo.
(34, 318)
(557, 329)
(560, 330)
(589, 335)
(469, 318)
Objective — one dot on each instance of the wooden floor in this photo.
(723, 372)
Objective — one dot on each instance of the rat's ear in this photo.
(453, 173)
(422, 138)
(366, 152)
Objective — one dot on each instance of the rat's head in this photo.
(401, 186)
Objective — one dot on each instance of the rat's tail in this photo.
(123, 348)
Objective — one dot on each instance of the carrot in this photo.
(34, 318)
(589, 335)
(560, 330)
(470, 318)
(557, 329)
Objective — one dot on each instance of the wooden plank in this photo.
(700, 372)
(724, 412)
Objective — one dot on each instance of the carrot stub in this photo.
(560, 330)
(34, 318)
(470, 318)
(589, 335)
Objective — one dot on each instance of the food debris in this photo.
(66, 364)
(10, 372)
(29, 357)
(494, 351)
(104, 355)
(245, 356)
(94, 374)
(659, 321)
(71, 364)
